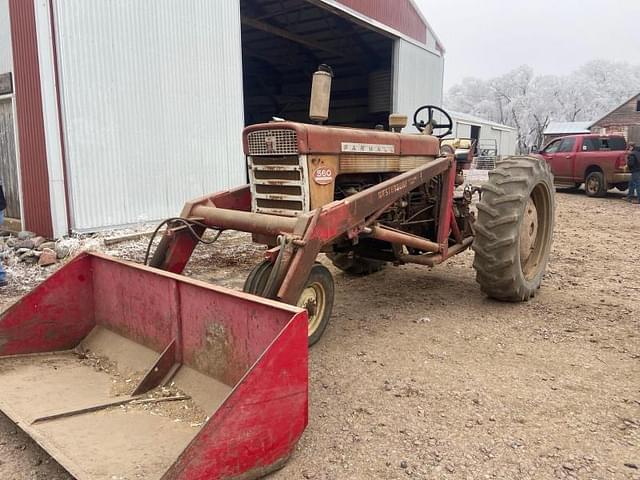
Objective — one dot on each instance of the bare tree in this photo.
(529, 102)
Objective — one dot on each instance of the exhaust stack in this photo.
(321, 94)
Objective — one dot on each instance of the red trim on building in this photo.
(397, 14)
(34, 174)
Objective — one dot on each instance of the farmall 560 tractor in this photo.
(367, 198)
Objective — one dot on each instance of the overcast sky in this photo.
(486, 38)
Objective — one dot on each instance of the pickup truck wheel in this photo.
(594, 185)
(514, 230)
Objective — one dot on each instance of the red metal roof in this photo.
(400, 15)
(31, 140)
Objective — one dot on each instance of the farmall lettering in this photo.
(348, 147)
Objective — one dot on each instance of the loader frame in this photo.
(304, 237)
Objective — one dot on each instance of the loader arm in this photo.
(307, 234)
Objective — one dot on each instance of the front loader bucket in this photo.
(120, 371)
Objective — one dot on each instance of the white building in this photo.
(122, 110)
(488, 135)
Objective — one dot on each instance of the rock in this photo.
(30, 260)
(25, 235)
(38, 241)
(28, 256)
(28, 243)
(11, 242)
(49, 245)
(404, 464)
(631, 465)
(62, 251)
(308, 474)
(423, 320)
(48, 257)
(568, 466)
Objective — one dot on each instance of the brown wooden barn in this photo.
(624, 120)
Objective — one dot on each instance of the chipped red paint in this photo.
(269, 407)
(34, 174)
(174, 250)
(400, 15)
(264, 358)
(47, 319)
(318, 139)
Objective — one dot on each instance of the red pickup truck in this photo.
(595, 160)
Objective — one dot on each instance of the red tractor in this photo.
(367, 198)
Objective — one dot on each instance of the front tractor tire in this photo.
(514, 229)
(316, 298)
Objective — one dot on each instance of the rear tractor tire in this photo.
(353, 264)
(514, 229)
(317, 296)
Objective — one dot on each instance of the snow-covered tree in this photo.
(529, 102)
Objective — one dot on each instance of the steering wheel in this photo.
(431, 109)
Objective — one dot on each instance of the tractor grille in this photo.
(273, 142)
(279, 184)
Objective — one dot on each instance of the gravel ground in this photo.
(420, 376)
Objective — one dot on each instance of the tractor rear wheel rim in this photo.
(313, 299)
(528, 231)
(534, 231)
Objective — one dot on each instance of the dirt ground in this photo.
(420, 376)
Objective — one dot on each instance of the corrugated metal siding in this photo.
(31, 137)
(418, 78)
(5, 38)
(8, 162)
(152, 105)
(397, 14)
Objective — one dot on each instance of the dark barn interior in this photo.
(283, 42)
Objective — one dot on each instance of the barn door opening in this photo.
(475, 135)
(283, 43)
(8, 160)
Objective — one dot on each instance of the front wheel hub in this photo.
(313, 299)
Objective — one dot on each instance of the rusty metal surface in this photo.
(390, 235)
(433, 260)
(245, 221)
(318, 139)
(176, 246)
(446, 205)
(338, 218)
(158, 370)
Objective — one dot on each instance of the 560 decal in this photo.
(323, 175)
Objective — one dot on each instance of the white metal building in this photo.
(485, 132)
(124, 110)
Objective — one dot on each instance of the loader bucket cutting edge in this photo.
(73, 351)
